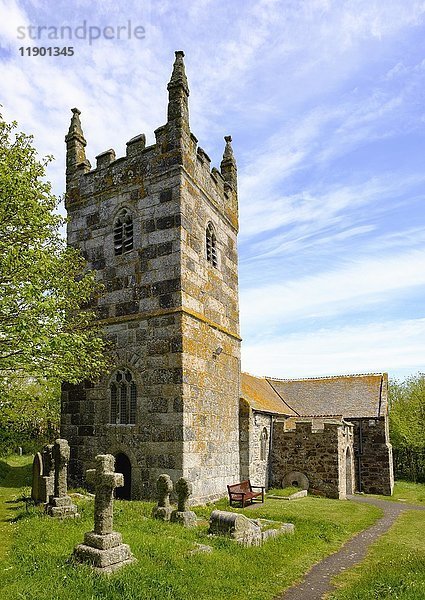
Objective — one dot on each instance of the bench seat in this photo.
(244, 493)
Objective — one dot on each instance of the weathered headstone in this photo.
(37, 478)
(183, 515)
(60, 504)
(103, 548)
(248, 532)
(48, 479)
(164, 487)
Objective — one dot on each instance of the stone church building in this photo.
(160, 226)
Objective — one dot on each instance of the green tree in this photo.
(29, 414)
(407, 426)
(46, 329)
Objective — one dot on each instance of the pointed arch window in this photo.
(263, 444)
(211, 245)
(123, 232)
(123, 398)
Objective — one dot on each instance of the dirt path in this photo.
(318, 580)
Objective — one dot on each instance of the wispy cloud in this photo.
(332, 292)
(395, 346)
(324, 100)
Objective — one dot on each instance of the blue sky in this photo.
(325, 103)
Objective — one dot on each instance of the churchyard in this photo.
(173, 561)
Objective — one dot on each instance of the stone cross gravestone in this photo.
(60, 504)
(48, 479)
(183, 515)
(164, 487)
(37, 478)
(103, 548)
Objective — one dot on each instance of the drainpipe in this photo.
(269, 474)
(359, 455)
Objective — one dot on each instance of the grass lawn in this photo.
(283, 492)
(15, 472)
(405, 491)
(39, 568)
(394, 568)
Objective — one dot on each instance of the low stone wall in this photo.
(374, 460)
(324, 456)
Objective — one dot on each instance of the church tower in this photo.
(159, 226)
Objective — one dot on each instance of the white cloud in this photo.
(356, 286)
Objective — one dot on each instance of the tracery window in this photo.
(263, 444)
(123, 232)
(211, 245)
(123, 398)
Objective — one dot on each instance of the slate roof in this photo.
(352, 396)
(261, 396)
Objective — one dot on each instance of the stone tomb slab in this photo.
(248, 532)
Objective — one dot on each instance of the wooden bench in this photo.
(243, 492)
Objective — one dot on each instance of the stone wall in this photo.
(259, 448)
(373, 451)
(171, 317)
(244, 438)
(321, 454)
(254, 445)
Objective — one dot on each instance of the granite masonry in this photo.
(43, 476)
(164, 486)
(37, 478)
(159, 226)
(314, 454)
(103, 548)
(60, 504)
(248, 532)
(183, 515)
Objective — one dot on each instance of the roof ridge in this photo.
(377, 374)
(280, 396)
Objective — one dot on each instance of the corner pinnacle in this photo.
(178, 76)
(75, 126)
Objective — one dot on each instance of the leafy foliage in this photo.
(44, 333)
(29, 414)
(407, 427)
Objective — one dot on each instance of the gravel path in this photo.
(318, 580)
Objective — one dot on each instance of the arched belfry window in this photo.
(263, 444)
(211, 245)
(123, 398)
(123, 232)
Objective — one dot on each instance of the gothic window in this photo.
(263, 444)
(211, 245)
(123, 232)
(123, 398)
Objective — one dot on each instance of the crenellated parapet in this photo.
(321, 449)
(175, 149)
(159, 227)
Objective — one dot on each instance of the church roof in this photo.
(261, 396)
(352, 396)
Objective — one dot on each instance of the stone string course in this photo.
(188, 394)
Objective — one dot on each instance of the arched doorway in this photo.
(123, 465)
(348, 472)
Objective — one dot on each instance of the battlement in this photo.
(302, 427)
(159, 227)
(176, 149)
